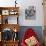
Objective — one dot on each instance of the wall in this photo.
(39, 13)
(23, 4)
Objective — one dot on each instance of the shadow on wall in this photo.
(37, 29)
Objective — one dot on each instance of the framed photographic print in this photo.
(13, 12)
(30, 12)
(5, 12)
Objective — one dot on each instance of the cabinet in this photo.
(6, 12)
(9, 26)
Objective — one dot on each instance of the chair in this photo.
(29, 33)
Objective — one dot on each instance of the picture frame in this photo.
(13, 12)
(5, 12)
(30, 13)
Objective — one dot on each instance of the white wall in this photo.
(23, 4)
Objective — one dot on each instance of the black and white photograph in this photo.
(30, 13)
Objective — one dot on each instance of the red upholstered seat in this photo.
(29, 33)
